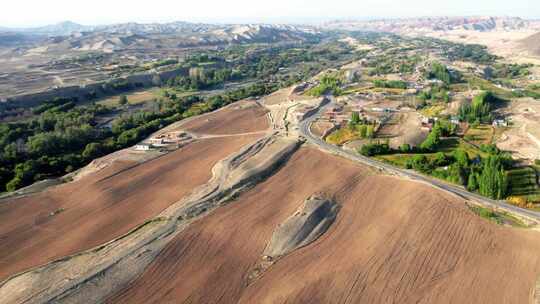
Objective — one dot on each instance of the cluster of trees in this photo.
(328, 84)
(392, 84)
(49, 144)
(121, 86)
(487, 175)
(55, 105)
(271, 63)
(163, 63)
(492, 180)
(467, 52)
(201, 78)
(440, 71)
(435, 93)
(376, 148)
(364, 128)
(440, 128)
(503, 70)
(479, 110)
(393, 62)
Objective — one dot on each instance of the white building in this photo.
(142, 147)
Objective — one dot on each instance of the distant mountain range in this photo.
(108, 38)
(430, 24)
(136, 35)
(62, 28)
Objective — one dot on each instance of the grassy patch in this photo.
(480, 135)
(433, 110)
(342, 135)
(500, 218)
(133, 98)
(485, 85)
(388, 90)
(448, 145)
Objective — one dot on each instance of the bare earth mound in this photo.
(393, 241)
(99, 207)
(308, 223)
(240, 117)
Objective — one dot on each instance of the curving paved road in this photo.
(304, 129)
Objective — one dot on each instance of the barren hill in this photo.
(410, 244)
(72, 36)
(532, 44)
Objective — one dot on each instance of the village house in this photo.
(157, 141)
(500, 123)
(142, 147)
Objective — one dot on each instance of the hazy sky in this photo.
(40, 12)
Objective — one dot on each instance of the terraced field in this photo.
(523, 182)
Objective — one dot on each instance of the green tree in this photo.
(405, 148)
(92, 150)
(456, 174)
(355, 118)
(472, 184)
(123, 100)
(433, 139)
(370, 131)
(362, 130)
(440, 159)
(493, 182)
(24, 175)
(461, 157)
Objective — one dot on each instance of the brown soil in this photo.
(319, 128)
(393, 241)
(277, 97)
(104, 205)
(240, 117)
(403, 128)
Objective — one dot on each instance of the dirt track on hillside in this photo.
(241, 117)
(103, 205)
(393, 241)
